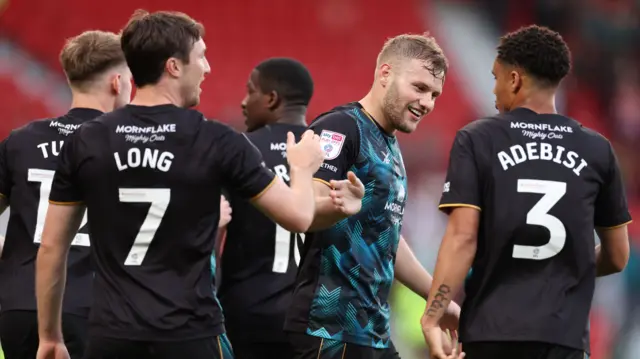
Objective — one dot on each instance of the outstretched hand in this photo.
(347, 194)
(451, 317)
(307, 154)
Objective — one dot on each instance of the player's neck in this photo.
(542, 102)
(154, 96)
(374, 108)
(293, 115)
(82, 100)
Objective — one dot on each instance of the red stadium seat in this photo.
(17, 108)
(338, 40)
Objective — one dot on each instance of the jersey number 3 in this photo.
(159, 199)
(552, 192)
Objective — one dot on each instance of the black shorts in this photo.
(19, 334)
(309, 347)
(520, 350)
(252, 350)
(206, 348)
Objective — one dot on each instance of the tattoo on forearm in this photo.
(438, 301)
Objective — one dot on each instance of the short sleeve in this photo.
(65, 188)
(340, 140)
(462, 185)
(5, 173)
(242, 167)
(611, 208)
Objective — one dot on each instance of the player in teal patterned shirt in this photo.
(340, 307)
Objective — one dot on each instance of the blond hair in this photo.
(412, 46)
(89, 54)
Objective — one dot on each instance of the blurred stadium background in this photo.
(339, 40)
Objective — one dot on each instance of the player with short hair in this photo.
(100, 81)
(260, 258)
(340, 307)
(525, 190)
(150, 176)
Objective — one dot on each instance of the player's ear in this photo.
(515, 81)
(116, 84)
(173, 67)
(384, 74)
(273, 100)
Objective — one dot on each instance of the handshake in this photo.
(306, 157)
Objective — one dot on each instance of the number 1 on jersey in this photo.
(283, 243)
(552, 192)
(159, 199)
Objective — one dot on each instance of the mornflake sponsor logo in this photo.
(164, 128)
(541, 127)
(278, 146)
(64, 129)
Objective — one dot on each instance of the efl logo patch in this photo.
(331, 143)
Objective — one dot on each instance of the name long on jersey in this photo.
(151, 179)
(260, 259)
(28, 161)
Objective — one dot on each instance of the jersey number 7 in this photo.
(159, 199)
(552, 192)
(45, 178)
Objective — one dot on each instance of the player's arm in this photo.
(612, 254)
(61, 225)
(340, 155)
(461, 199)
(326, 213)
(414, 276)
(292, 207)
(63, 219)
(611, 219)
(410, 272)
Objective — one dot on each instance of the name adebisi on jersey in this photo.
(541, 151)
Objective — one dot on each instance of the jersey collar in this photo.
(359, 105)
(84, 113)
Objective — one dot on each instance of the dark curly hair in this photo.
(540, 51)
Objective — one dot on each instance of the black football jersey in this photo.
(260, 258)
(543, 183)
(151, 179)
(28, 160)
